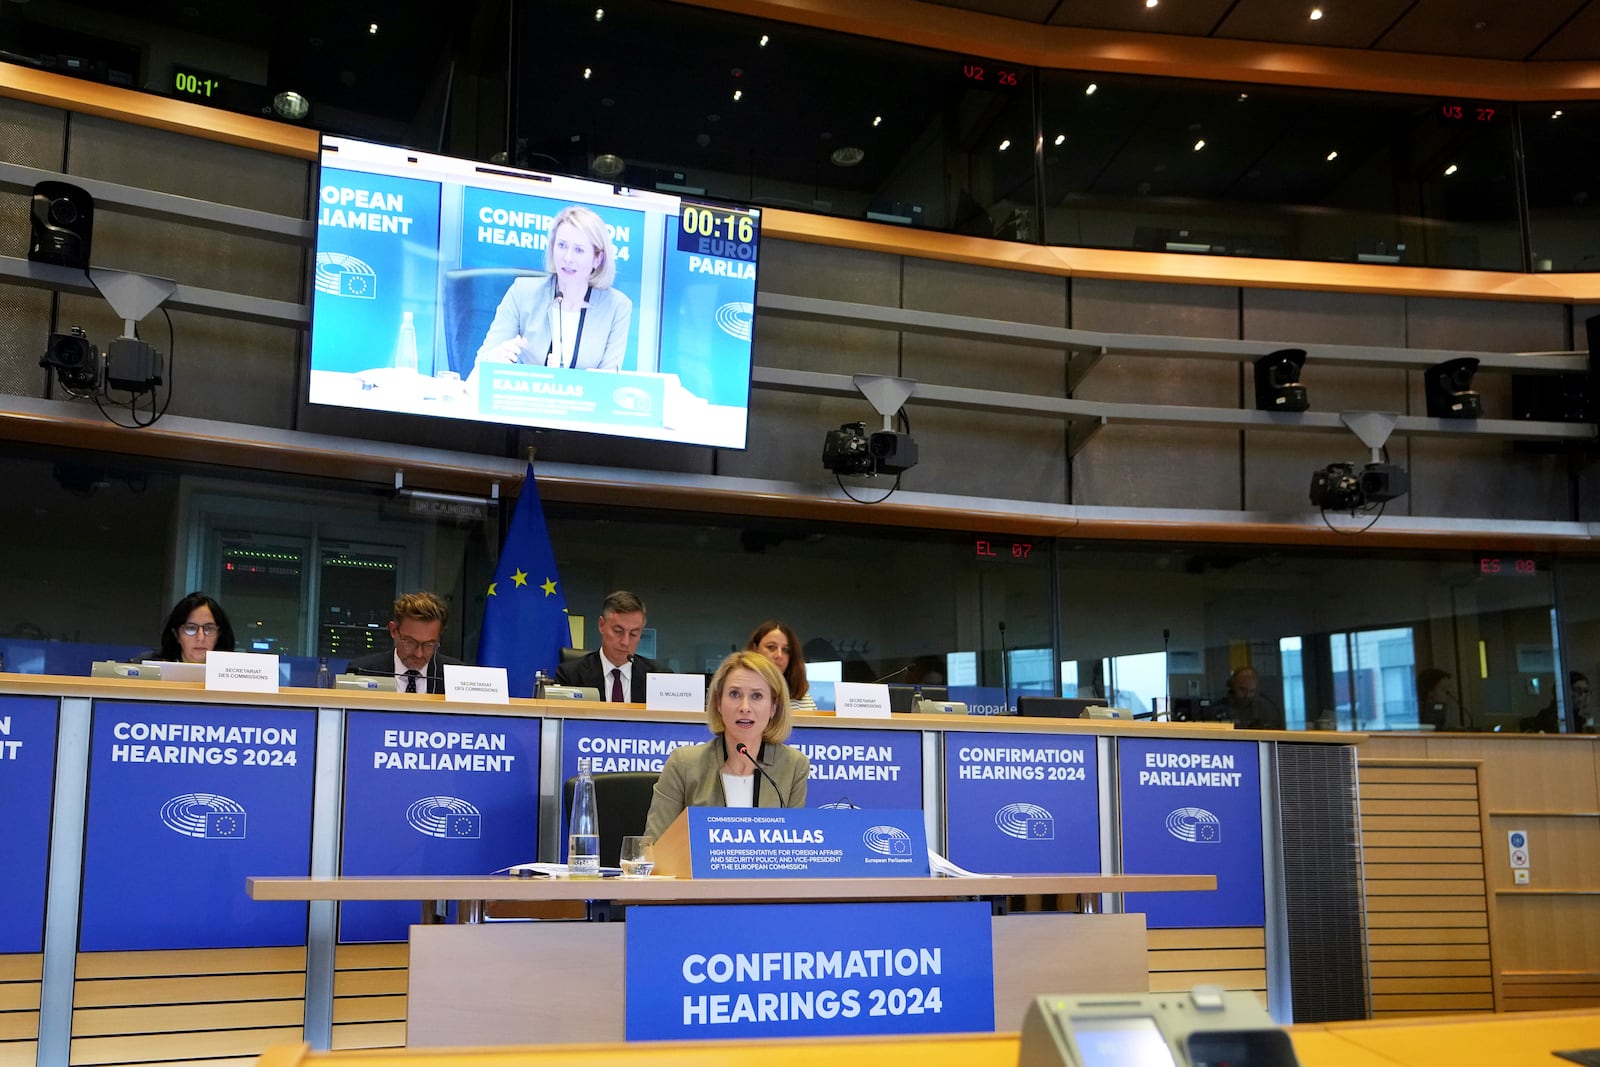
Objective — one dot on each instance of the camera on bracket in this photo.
(75, 360)
(849, 450)
(1338, 487)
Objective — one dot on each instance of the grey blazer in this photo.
(692, 778)
(525, 312)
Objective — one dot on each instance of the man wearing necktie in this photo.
(614, 670)
(418, 620)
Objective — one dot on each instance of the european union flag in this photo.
(525, 615)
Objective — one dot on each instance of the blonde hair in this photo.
(422, 606)
(594, 231)
(778, 726)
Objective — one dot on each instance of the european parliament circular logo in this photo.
(450, 818)
(1026, 822)
(340, 275)
(887, 841)
(1195, 825)
(208, 816)
(734, 319)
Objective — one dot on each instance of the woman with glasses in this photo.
(196, 625)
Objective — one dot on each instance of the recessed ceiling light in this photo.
(1556, 113)
(586, 72)
(599, 14)
(372, 28)
(764, 40)
(1151, 3)
(846, 156)
(1243, 97)
(877, 120)
(1316, 14)
(1090, 89)
(1005, 144)
(1199, 144)
(1332, 156)
(738, 94)
(1451, 169)
(1060, 138)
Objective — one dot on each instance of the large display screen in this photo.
(463, 290)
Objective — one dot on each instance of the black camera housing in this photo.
(1383, 481)
(61, 218)
(75, 360)
(892, 451)
(847, 450)
(1336, 487)
(132, 365)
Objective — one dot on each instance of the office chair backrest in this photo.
(571, 655)
(470, 298)
(624, 802)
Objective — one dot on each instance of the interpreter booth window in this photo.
(1561, 153)
(1169, 165)
(906, 607)
(304, 568)
(1580, 644)
(775, 114)
(1310, 639)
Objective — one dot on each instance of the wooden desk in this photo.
(1525, 1039)
(555, 982)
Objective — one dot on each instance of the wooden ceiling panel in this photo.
(1195, 18)
(1036, 11)
(1578, 39)
(1482, 29)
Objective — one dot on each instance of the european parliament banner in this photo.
(434, 794)
(709, 279)
(806, 843)
(808, 970)
(861, 768)
(186, 802)
(1022, 803)
(377, 253)
(614, 747)
(1193, 807)
(27, 780)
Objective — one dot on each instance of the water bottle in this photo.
(324, 675)
(540, 680)
(405, 351)
(583, 832)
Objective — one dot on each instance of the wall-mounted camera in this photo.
(75, 360)
(1338, 487)
(129, 364)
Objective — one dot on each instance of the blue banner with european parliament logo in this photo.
(1022, 803)
(709, 276)
(747, 971)
(1193, 807)
(433, 794)
(27, 775)
(377, 258)
(861, 768)
(186, 802)
(618, 747)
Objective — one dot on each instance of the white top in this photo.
(400, 670)
(739, 790)
(563, 333)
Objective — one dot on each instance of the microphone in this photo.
(894, 674)
(1005, 674)
(760, 767)
(555, 345)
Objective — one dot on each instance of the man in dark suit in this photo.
(615, 671)
(415, 663)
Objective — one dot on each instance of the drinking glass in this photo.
(638, 856)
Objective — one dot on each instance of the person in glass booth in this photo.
(570, 317)
(195, 625)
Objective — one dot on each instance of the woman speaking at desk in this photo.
(745, 764)
(571, 317)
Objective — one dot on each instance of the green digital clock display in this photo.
(198, 85)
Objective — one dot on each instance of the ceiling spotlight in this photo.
(1451, 169)
(372, 28)
(877, 120)
(1556, 113)
(1332, 156)
(738, 94)
(1199, 144)
(1089, 91)
(599, 14)
(1242, 98)
(846, 156)
(607, 165)
(1151, 3)
(1316, 14)
(291, 106)
(1060, 138)
(1005, 144)
(1448, 389)
(586, 72)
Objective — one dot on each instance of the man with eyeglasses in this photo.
(415, 662)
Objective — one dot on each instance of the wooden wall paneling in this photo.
(1428, 940)
(1232, 957)
(168, 1007)
(369, 995)
(19, 1007)
(1550, 990)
